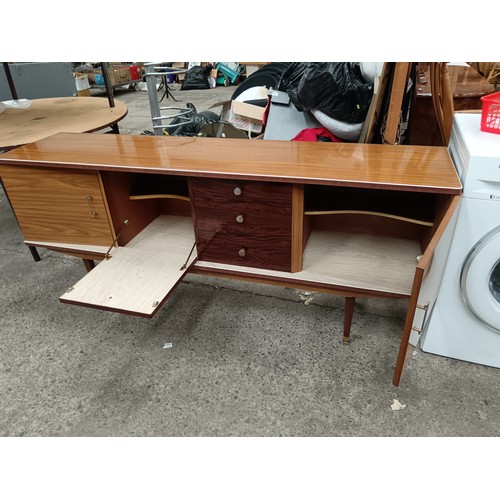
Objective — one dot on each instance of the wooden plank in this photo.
(373, 116)
(422, 268)
(297, 227)
(139, 277)
(398, 90)
(376, 166)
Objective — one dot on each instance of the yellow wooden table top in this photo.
(50, 116)
(412, 168)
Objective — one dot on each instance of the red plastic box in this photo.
(134, 72)
(490, 117)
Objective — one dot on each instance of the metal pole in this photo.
(109, 87)
(10, 80)
(154, 105)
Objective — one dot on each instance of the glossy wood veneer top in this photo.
(418, 168)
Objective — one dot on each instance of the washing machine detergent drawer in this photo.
(485, 182)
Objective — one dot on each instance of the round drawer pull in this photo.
(237, 191)
(242, 252)
(240, 218)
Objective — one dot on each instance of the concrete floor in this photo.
(245, 360)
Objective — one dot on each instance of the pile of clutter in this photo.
(323, 101)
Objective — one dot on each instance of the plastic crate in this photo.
(134, 72)
(490, 116)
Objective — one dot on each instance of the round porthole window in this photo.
(480, 280)
(494, 282)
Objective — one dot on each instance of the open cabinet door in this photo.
(138, 278)
(426, 283)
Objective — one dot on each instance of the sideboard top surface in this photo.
(415, 168)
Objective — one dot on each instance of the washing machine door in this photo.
(480, 280)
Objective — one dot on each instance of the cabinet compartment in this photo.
(418, 208)
(243, 223)
(59, 206)
(132, 198)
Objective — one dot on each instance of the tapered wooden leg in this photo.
(89, 264)
(348, 312)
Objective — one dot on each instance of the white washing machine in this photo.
(465, 321)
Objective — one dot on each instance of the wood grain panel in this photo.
(264, 229)
(264, 249)
(270, 199)
(59, 205)
(138, 213)
(252, 225)
(297, 227)
(374, 166)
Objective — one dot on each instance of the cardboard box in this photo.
(248, 110)
(239, 122)
(180, 65)
(119, 75)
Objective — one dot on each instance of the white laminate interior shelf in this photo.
(138, 277)
(369, 212)
(360, 261)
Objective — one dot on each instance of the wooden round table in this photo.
(49, 116)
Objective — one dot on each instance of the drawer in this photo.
(266, 198)
(261, 249)
(59, 205)
(243, 223)
(242, 220)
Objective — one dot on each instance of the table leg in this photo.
(89, 264)
(348, 313)
(34, 253)
(114, 128)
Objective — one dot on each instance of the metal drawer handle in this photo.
(240, 219)
(93, 213)
(237, 191)
(242, 252)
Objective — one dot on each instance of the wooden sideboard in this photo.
(358, 220)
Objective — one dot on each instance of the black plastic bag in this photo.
(191, 122)
(338, 89)
(196, 78)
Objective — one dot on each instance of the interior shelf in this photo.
(158, 186)
(417, 208)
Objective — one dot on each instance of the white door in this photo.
(480, 280)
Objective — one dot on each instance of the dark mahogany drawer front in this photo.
(243, 223)
(267, 198)
(242, 219)
(265, 249)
